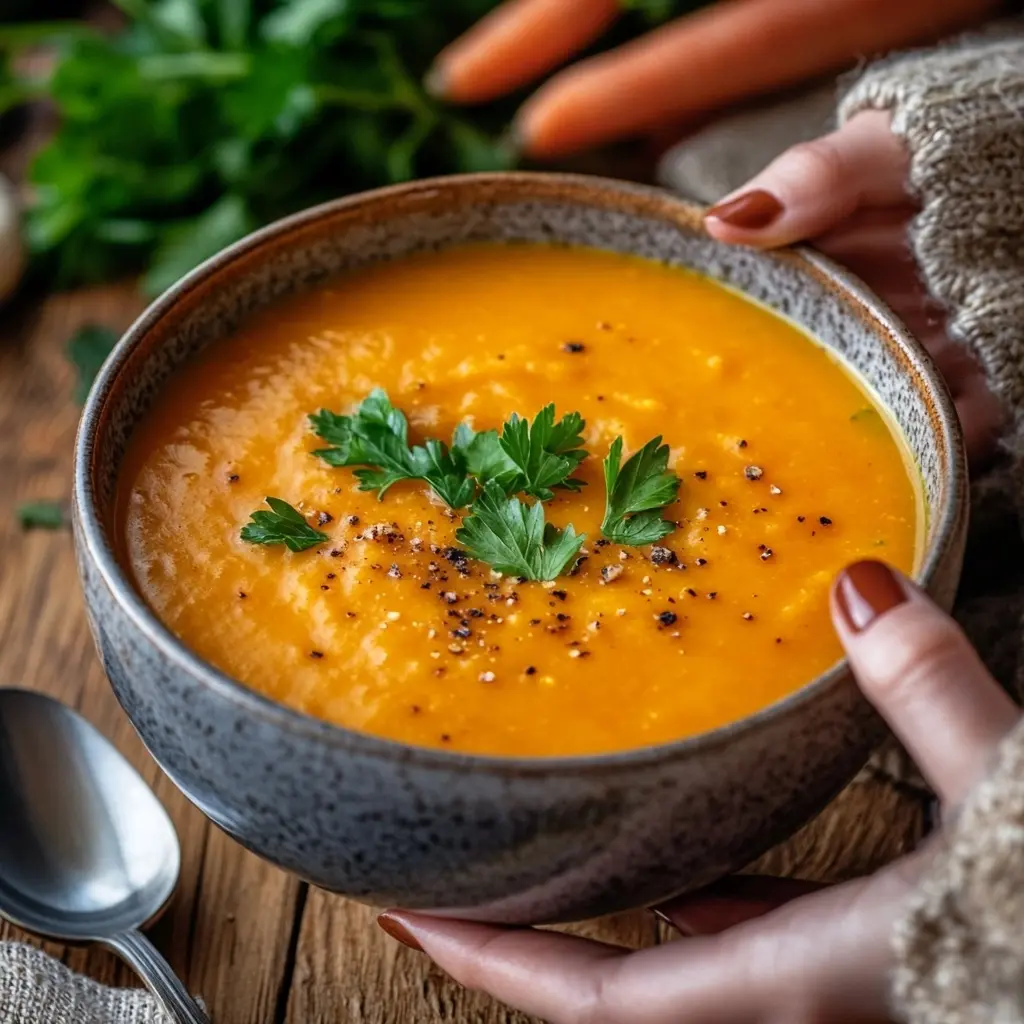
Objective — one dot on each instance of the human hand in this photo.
(733, 50)
(822, 957)
(847, 193)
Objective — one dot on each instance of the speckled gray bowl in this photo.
(503, 839)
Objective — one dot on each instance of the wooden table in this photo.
(259, 945)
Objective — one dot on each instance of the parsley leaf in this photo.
(485, 458)
(639, 490)
(87, 350)
(376, 438)
(445, 471)
(41, 515)
(545, 453)
(282, 525)
(513, 538)
(532, 458)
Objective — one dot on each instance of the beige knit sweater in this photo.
(960, 111)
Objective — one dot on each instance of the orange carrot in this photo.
(731, 51)
(516, 44)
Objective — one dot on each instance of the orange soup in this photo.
(788, 473)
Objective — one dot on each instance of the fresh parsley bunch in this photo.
(201, 120)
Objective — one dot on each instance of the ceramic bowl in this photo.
(501, 839)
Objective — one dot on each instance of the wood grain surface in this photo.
(258, 945)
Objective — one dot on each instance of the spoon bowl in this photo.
(87, 852)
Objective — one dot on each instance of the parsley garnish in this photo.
(282, 525)
(529, 457)
(639, 490)
(513, 538)
(376, 438)
(41, 515)
(485, 458)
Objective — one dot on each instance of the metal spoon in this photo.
(87, 852)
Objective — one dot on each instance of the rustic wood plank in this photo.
(243, 923)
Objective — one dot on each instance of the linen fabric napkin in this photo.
(36, 989)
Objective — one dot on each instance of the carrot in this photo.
(516, 44)
(731, 51)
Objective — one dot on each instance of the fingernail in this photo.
(435, 82)
(866, 590)
(397, 929)
(751, 211)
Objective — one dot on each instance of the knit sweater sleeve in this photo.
(960, 111)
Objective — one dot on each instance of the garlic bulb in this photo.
(12, 250)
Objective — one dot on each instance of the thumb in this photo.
(817, 185)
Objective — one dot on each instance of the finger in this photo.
(560, 978)
(816, 186)
(731, 902)
(918, 669)
(827, 950)
(541, 973)
(516, 44)
(728, 51)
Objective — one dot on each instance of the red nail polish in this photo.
(751, 211)
(865, 591)
(397, 929)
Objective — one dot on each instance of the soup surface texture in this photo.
(359, 630)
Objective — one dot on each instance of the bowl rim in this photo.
(90, 535)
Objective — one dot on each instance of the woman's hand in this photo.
(821, 957)
(847, 193)
(734, 50)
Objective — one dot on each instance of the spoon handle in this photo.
(156, 972)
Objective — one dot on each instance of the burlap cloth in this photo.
(35, 988)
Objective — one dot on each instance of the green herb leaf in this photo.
(87, 350)
(485, 458)
(376, 438)
(283, 524)
(542, 455)
(512, 537)
(445, 471)
(636, 493)
(41, 515)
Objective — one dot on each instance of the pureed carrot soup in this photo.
(393, 620)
